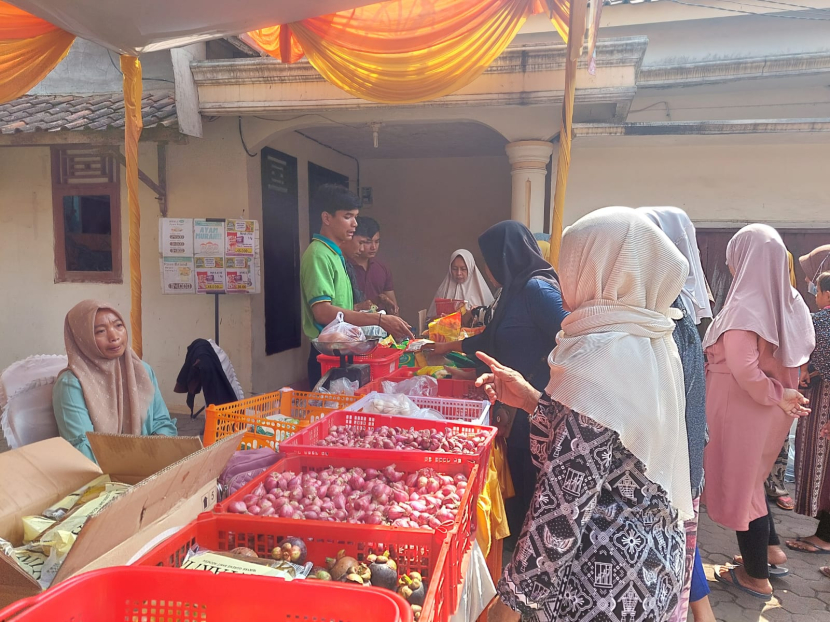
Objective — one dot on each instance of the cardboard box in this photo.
(174, 480)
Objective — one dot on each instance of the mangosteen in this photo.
(291, 550)
(319, 573)
(244, 551)
(384, 571)
(412, 589)
(364, 572)
(342, 566)
(416, 611)
(352, 577)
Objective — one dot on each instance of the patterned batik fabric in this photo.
(601, 542)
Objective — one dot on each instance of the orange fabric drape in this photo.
(403, 51)
(29, 49)
(131, 68)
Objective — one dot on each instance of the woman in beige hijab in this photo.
(106, 387)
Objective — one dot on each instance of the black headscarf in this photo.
(513, 257)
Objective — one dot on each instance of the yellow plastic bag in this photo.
(447, 328)
(490, 512)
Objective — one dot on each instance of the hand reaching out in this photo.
(507, 385)
(794, 404)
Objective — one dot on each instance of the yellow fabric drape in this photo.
(131, 68)
(403, 51)
(577, 25)
(791, 266)
(491, 517)
(29, 49)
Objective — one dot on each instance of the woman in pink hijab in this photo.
(754, 347)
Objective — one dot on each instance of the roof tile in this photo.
(75, 112)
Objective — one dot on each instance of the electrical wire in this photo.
(242, 138)
(776, 15)
(343, 153)
(118, 69)
(312, 114)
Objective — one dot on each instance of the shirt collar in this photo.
(332, 245)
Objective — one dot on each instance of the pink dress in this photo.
(744, 384)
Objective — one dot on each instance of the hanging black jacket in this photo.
(202, 372)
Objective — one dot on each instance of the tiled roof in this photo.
(52, 113)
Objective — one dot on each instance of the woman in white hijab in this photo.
(463, 282)
(604, 537)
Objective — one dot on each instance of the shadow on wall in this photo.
(427, 208)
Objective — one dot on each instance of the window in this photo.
(87, 216)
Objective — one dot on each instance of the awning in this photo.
(136, 27)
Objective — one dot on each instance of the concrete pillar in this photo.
(528, 163)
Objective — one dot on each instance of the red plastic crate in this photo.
(446, 306)
(304, 442)
(413, 550)
(461, 533)
(382, 362)
(141, 594)
(447, 387)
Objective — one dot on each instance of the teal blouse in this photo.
(73, 419)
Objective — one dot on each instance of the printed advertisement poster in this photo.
(176, 237)
(210, 275)
(239, 239)
(239, 275)
(178, 275)
(208, 238)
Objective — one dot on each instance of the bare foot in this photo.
(758, 585)
(775, 556)
(702, 610)
(809, 544)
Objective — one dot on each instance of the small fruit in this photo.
(244, 551)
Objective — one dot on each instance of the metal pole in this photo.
(216, 318)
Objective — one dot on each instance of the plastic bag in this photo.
(425, 386)
(340, 331)
(399, 406)
(343, 386)
(446, 329)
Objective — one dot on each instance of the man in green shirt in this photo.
(326, 289)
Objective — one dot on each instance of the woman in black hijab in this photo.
(526, 319)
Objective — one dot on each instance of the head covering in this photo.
(761, 298)
(513, 257)
(474, 290)
(816, 262)
(117, 392)
(675, 223)
(791, 267)
(616, 361)
(544, 248)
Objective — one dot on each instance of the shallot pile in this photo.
(424, 499)
(385, 437)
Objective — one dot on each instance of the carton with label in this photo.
(173, 480)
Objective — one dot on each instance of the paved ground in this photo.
(804, 596)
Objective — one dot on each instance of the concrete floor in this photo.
(804, 596)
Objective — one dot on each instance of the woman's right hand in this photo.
(804, 377)
(507, 385)
(438, 348)
(794, 404)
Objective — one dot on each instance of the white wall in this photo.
(715, 179)
(278, 370)
(206, 178)
(429, 208)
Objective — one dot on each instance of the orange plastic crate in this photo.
(142, 594)
(413, 550)
(252, 416)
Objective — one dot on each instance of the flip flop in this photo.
(775, 572)
(736, 584)
(785, 503)
(816, 550)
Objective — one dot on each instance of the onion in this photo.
(237, 507)
(254, 509)
(271, 483)
(286, 511)
(265, 505)
(268, 512)
(249, 499)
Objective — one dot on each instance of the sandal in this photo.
(814, 550)
(825, 570)
(785, 503)
(737, 584)
(775, 572)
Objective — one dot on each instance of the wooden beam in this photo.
(161, 191)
